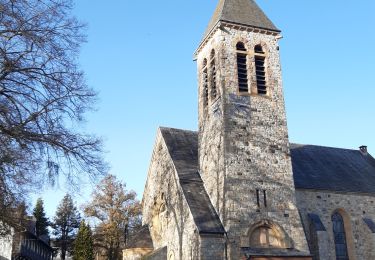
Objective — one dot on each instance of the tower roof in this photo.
(242, 12)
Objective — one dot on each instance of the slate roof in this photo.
(141, 239)
(159, 254)
(242, 12)
(314, 167)
(333, 169)
(315, 220)
(183, 149)
(370, 223)
(249, 253)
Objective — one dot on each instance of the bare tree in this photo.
(43, 97)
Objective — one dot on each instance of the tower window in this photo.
(259, 49)
(260, 71)
(242, 67)
(258, 202)
(265, 198)
(213, 75)
(205, 83)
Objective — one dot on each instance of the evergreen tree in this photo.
(42, 223)
(84, 245)
(65, 224)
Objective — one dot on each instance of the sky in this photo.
(139, 57)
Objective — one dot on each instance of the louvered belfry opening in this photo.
(205, 83)
(260, 70)
(213, 75)
(242, 68)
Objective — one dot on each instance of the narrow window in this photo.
(340, 237)
(265, 198)
(242, 67)
(258, 203)
(260, 70)
(205, 83)
(213, 75)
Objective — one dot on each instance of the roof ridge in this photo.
(178, 129)
(323, 146)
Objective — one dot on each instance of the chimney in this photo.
(363, 149)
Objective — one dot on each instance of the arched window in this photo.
(205, 82)
(242, 67)
(267, 235)
(339, 237)
(260, 70)
(213, 75)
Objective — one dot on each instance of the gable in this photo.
(183, 149)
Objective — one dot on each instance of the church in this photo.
(237, 188)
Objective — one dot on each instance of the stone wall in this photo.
(135, 253)
(210, 120)
(212, 247)
(6, 246)
(165, 209)
(244, 143)
(354, 208)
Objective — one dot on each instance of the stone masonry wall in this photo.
(354, 207)
(210, 118)
(209, 245)
(6, 246)
(165, 209)
(249, 132)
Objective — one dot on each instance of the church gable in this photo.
(176, 206)
(183, 149)
(165, 210)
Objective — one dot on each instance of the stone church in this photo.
(237, 188)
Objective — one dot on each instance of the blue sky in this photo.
(139, 58)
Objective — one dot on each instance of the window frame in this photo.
(262, 55)
(213, 86)
(245, 55)
(338, 222)
(205, 83)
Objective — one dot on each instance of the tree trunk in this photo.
(63, 250)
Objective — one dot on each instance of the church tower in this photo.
(244, 156)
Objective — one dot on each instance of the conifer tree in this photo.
(83, 245)
(65, 224)
(42, 223)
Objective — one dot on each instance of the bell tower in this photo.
(244, 156)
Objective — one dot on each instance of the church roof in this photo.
(141, 239)
(314, 167)
(334, 169)
(241, 12)
(183, 149)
